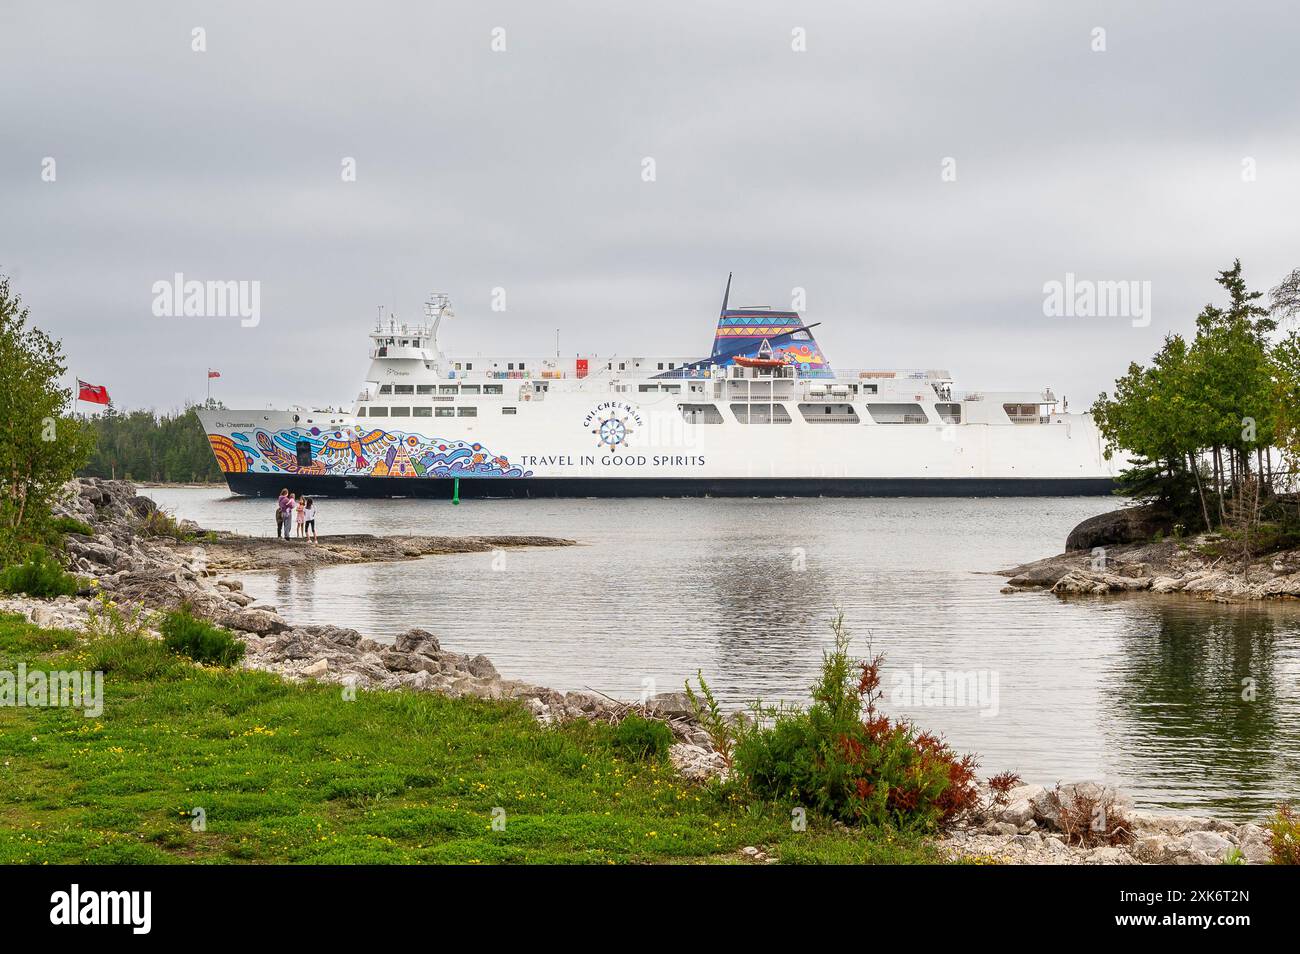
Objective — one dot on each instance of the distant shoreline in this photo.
(170, 485)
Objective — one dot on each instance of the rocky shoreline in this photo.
(1035, 825)
(161, 573)
(1028, 825)
(232, 553)
(1094, 565)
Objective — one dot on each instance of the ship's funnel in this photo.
(742, 331)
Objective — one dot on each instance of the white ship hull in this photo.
(764, 415)
(547, 451)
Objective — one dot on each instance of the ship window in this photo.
(1022, 413)
(386, 389)
(510, 366)
(378, 411)
(949, 413)
(447, 389)
(869, 389)
(661, 365)
(622, 366)
(444, 412)
(403, 388)
(828, 413)
(401, 412)
(457, 365)
(469, 389)
(648, 387)
(672, 365)
(671, 388)
(761, 413)
(467, 412)
(304, 453)
(469, 366)
(492, 389)
(422, 412)
(700, 413)
(507, 410)
(897, 413)
(424, 389)
(521, 366)
(361, 412)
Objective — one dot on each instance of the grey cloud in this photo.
(522, 170)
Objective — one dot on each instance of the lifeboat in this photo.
(763, 360)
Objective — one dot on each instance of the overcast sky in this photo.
(523, 169)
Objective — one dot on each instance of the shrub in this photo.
(39, 575)
(62, 525)
(200, 640)
(844, 758)
(131, 658)
(159, 523)
(105, 620)
(1284, 827)
(1001, 785)
(1090, 821)
(638, 738)
(711, 718)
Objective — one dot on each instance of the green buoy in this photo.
(455, 493)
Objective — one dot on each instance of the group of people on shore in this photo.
(293, 511)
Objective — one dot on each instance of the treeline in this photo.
(144, 446)
(1212, 424)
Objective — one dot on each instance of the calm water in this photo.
(1144, 691)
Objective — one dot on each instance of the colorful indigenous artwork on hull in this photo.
(349, 452)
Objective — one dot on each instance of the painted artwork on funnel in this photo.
(348, 452)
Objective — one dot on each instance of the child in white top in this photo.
(308, 514)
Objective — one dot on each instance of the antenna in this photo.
(436, 308)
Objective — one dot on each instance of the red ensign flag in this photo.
(213, 374)
(92, 393)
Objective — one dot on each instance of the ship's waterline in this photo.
(1148, 692)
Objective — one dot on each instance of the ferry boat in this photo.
(765, 414)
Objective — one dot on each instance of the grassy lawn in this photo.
(296, 773)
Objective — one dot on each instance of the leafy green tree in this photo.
(1286, 391)
(41, 445)
(1201, 413)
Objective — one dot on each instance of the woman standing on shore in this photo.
(279, 513)
(309, 521)
(287, 508)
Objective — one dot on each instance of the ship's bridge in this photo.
(398, 339)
